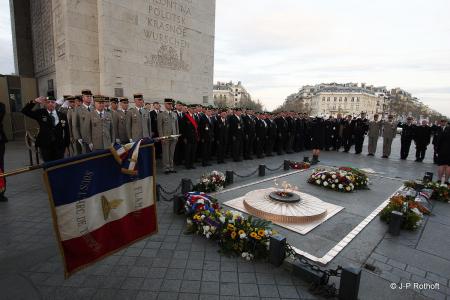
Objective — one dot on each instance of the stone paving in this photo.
(171, 265)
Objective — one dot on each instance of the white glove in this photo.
(91, 146)
(80, 141)
(118, 141)
(131, 140)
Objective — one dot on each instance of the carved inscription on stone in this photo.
(166, 24)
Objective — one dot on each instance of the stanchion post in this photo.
(37, 155)
(30, 154)
(287, 165)
(178, 204)
(306, 159)
(158, 192)
(186, 185)
(349, 285)
(229, 177)
(262, 170)
(395, 224)
(428, 177)
(277, 249)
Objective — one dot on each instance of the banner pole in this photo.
(21, 171)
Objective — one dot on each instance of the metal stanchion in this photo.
(186, 185)
(229, 177)
(287, 165)
(277, 249)
(349, 285)
(395, 224)
(262, 170)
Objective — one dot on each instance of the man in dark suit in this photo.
(290, 134)
(261, 129)
(206, 131)
(154, 121)
(408, 131)
(180, 109)
(360, 129)
(249, 133)
(282, 129)
(3, 141)
(347, 133)
(236, 134)
(271, 135)
(190, 136)
(221, 129)
(422, 138)
(54, 135)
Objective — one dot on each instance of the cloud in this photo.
(276, 47)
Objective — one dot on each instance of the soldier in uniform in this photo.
(167, 126)
(138, 121)
(407, 136)
(206, 131)
(249, 133)
(54, 136)
(100, 124)
(422, 138)
(120, 122)
(443, 153)
(298, 140)
(347, 133)
(271, 135)
(236, 135)
(290, 136)
(261, 129)
(80, 119)
(113, 104)
(221, 129)
(74, 147)
(389, 133)
(374, 133)
(360, 127)
(154, 120)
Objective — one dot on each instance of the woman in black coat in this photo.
(318, 136)
(443, 153)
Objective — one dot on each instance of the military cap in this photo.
(78, 97)
(51, 95)
(138, 96)
(86, 92)
(168, 100)
(70, 98)
(114, 99)
(99, 98)
(123, 99)
(66, 96)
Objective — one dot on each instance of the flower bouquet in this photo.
(211, 182)
(440, 193)
(336, 180)
(299, 165)
(360, 179)
(238, 235)
(412, 211)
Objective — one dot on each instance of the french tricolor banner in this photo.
(97, 209)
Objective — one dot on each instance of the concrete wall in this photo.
(161, 48)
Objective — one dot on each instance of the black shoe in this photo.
(417, 160)
(370, 154)
(166, 172)
(403, 158)
(173, 171)
(384, 156)
(3, 198)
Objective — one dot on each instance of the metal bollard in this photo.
(229, 177)
(306, 159)
(178, 205)
(262, 170)
(287, 165)
(349, 286)
(277, 249)
(158, 192)
(395, 223)
(186, 185)
(428, 177)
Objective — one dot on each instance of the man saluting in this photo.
(54, 136)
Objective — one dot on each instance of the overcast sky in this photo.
(275, 47)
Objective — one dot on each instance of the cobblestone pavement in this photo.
(171, 265)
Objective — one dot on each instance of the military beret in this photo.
(70, 98)
(86, 92)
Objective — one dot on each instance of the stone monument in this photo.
(162, 48)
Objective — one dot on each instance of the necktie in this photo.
(101, 115)
(52, 118)
(140, 111)
(89, 108)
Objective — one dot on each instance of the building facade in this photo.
(161, 48)
(334, 98)
(230, 94)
